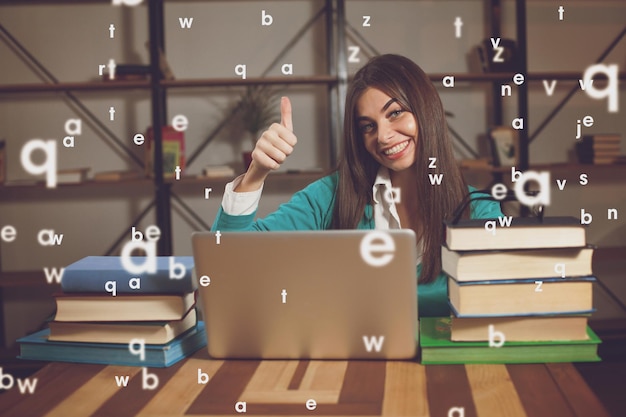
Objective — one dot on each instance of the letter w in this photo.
(505, 221)
(435, 179)
(121, 380)
(27, 385)
(185, 22)
(372, 342)
(54, 275)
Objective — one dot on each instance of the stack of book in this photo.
(600, 149)
(102, 308)
(519, 293)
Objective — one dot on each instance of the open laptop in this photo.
(346, 294)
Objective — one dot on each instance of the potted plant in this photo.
(258, 108)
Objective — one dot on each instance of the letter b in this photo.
(203, 377)
(4, 376)
(266, 19)
(493, 334)
(146, 378)
(585, 218)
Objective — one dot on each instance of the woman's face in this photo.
(388, 131)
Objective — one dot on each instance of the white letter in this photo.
(542, 197)
(550, 88)
(134, 283)
(185, 23)
(138, 139)
(354, 52)
(149, 264)
(518, 123)
(366, 21)
(490, 226)
(373, 342)
(560, 184)
(126, 2)
(141, 350)
(205, 281)
(203, 377)
(49, 166)
(505, 90)
(588, 121)
(145, 376)
(610, 90)
(176, 266)
(498, 191)
(8, 233)
(583, 179)
(9, 385)
(492, 335)
(311, 404)
(559, 268)
(53, 275)
(240, 407)
(240, 69)
(153, 233)
(459, 410)
(73, 126)
(180, 123)
(387, 248)
(111, 287)
(27, 385)
(266, 19)
(518, 79)
(611, 214)
(448, 81)
(585, 218)
(287, 69)
(457, 25)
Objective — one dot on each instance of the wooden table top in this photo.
(339, 388)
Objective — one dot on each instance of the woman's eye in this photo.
(395, 113)
(367, 128)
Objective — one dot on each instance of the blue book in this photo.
(105, 274)
(36, 346)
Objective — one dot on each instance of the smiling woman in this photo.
(395, 144)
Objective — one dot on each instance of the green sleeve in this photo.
(309, 209)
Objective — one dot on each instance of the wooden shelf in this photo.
(304, 80)
(74, 86)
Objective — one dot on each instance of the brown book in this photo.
(122, 307)
(153, 332)
(520, 329)
(515, 233)
(512, 264)
(116, 175)
(525, 297)
(72, 176)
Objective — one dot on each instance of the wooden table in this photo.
(271, 388)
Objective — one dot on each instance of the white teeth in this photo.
(398, 148)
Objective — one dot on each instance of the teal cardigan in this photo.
(312, 209)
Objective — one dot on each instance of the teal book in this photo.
(37, 346)
(91, 274)
(438, 348)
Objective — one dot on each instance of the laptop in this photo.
(342, 294)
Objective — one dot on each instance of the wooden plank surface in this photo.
(340, 388)
(493, 391)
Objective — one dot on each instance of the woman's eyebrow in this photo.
(389, 103)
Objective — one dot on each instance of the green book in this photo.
(437, 348)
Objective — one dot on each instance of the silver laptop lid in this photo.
(314, 294)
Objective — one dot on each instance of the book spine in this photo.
(87, 281)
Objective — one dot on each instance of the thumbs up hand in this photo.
(271, 149)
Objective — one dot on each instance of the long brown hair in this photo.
(402, 79)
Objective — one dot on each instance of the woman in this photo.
(397, 170)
